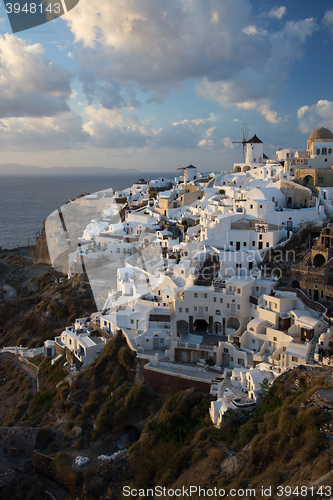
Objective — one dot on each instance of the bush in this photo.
(217, 455)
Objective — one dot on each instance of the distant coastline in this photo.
(10, 169)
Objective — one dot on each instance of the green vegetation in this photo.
(15, 392)
(171, 440)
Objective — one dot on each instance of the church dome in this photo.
(320, 134)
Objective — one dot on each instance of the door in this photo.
(238, 245)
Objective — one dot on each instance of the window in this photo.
(329, 151)
(275, 339)
(214, 299)
(206, 309)
(195, 295)
(320, 180)
(132, 321)
(228, 306)
(205, 295)
(231, 243)
(187, 310)
(294, 358)
(260, 206)
(217, 312)
(118, 250)
(318, 151)
(221, 301)
(238, 290)
(180, 309)
(267, 244)
(324, 151)
(253, 243)
(251, 206)
(260, 236)
(253, 341)
(244, 243)
(195, 308)
(238, 307)
(225, 350)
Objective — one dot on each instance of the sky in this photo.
(158, 84)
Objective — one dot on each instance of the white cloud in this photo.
(328, 20)
(268, 114)
(315, 115)
(30, 85)
(277, 12)
(250, 30)
(228, 143)
(158, 46)
(42, 133)
(253, 85)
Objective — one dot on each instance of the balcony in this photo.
(254, 300)
(201, 315)
(233, 313)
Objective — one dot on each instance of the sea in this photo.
(26, 201)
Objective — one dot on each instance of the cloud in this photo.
(109, 94)
(328, 20)
(228, 143)
(254, 84)
(110, 128)
(277, 12)
(155, 47)
(30, 85)
(315, 115)
(160, 45)
(63, 131)
(268, 114)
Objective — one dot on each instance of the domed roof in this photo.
(320, 133)
(326, 334)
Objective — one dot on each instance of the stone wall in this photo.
(167, 381)
(46, 467)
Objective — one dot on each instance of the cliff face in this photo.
(39, 254)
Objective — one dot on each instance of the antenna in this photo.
(245, 132)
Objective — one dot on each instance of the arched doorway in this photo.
(200, 326)
(182, 327)
(217, 328)
(233, 323)
(308, 180)
(319, 260)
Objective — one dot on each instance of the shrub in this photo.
(217, 455)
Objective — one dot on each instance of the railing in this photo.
(233, 314)
(204, 315)
(196, 347)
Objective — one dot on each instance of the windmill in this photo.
(245, 131)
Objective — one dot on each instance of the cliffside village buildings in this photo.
(180, 273)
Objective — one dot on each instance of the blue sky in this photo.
(152, 84)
